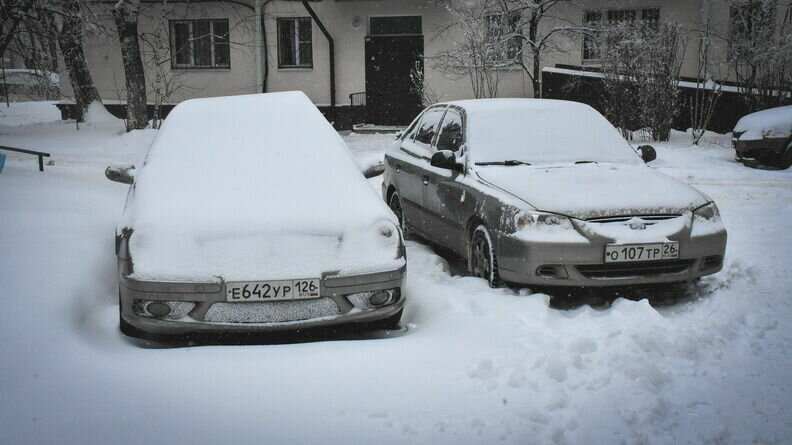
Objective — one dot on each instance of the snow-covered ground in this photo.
(474, 365)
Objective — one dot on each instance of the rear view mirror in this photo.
(648, 153)
(123, 173)
(445, 159)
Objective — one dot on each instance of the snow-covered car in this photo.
(249, 214)
(547, 192)
(765, 138)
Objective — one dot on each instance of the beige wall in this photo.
(104, 54)
(350, 50)
(105, 61)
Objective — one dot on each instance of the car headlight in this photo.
(707, 212)
(537, 219)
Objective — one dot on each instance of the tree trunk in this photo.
(125, 14)
(70, 42)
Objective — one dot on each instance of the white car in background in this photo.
(250, 215)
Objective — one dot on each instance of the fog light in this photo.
(379, 298)
(551, 271)
(159, 310)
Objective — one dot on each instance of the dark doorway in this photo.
(391, 97)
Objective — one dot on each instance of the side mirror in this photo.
(445, 159)
(374, 170)
(123, 173)
(648, 153)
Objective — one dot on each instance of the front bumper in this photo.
(582, 263)
(759, 148)
(202, 307)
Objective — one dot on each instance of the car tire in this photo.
(396, 207)
(482, 261)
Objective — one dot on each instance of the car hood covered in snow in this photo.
(770, 123)
(594, 190)
(254, 187)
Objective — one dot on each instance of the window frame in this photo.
(380, 16)
(295, 44)
(463, 122)
(638, 13)
(514, 18)
(190, 49)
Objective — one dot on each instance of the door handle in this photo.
(426, 179)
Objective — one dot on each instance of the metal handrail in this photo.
(357, 99)
(41, 155)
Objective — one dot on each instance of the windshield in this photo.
(538, 132)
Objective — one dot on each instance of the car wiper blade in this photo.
(507, 162)
(585, 162)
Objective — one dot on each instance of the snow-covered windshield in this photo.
(542, 131)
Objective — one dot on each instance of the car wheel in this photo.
(396, 207)
(482, 261)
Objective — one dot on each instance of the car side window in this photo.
(451, 137)
(428, 127)
(409, 134)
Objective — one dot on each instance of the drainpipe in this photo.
(259, 41)
(331, 47)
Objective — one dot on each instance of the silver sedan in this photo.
(545, 192)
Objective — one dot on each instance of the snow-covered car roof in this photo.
(542, 130)
(770, 123)
(227, 177)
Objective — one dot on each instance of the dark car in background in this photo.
(764, 138)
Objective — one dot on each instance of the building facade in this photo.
(341, 52)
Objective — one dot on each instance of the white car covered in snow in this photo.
(249, 214)
(547, 192)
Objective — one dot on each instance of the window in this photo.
(450, 137)
(396, 25)
(750, 22)
(593, 19)
(428, 127)
(504, 27)
(200, 44)
(295, 42)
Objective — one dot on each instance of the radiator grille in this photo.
(271, 312)
(630, 270)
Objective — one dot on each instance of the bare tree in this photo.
(708, 91)
(125, 14)
(66, 23)
(12, 13)
(641, 63)
(492, 35)
(539, 29)
(476, 50)
(759, 53)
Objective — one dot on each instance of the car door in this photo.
(443, 197)
(410, 175)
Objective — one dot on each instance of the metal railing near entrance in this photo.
(41, 155)
(357, 99)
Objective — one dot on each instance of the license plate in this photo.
(620, 253)
(249, 291)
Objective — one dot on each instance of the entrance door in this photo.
(391, 60)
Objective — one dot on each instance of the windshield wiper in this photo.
(507, 162)
(585, 162)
